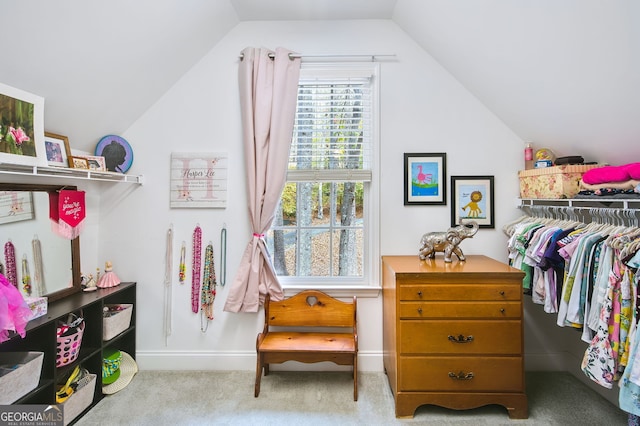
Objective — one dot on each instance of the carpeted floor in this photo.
(314, 398)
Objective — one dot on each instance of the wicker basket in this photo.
(68, 347)
(81, 398)
(117, 322)
(24, 376)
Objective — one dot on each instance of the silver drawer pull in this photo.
(502, 293)
(461, 375)
(502, 310)
(420, 311)
(419, 293)
(460, 339)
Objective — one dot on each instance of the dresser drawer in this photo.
(453, 337)
(477, 374)
(460, 292)
(494, 310)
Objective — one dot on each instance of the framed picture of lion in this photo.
(472, 199)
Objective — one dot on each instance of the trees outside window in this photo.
(323, 227)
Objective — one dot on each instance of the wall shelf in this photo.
(67, 173)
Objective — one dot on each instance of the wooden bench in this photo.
(292, 339)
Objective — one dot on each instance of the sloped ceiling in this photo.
(101, 64)
(564, 74)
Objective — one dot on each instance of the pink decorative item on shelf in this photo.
(109, 279)
(68, 347)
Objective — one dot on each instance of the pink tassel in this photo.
(67, 231)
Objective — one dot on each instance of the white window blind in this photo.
(332, 139)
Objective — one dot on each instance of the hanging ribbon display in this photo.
(168, 273)
(223, 255)
(67, 211)
(196, 266)
(38, 269)
(26, 276)
(10, 263)
(182, 272)
(208, 288)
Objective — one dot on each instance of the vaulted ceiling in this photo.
(562, 73)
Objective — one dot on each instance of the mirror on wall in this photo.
(24, 220)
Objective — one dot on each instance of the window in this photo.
(325, 229)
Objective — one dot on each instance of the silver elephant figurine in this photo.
(447, 242)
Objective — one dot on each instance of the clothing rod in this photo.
(371, 57)
(611, 215)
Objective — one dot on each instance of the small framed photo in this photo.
(425, 179)
(57, 149)
(96, 162)
(78, 163)
(472, 199)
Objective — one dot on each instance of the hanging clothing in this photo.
(598, 362)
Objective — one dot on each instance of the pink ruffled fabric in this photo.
(14, 311)
(607, 174)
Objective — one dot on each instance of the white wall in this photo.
(423, 109)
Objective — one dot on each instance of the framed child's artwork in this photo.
(117, 153)
(472, 199)
(425, 179)
(57, 149)
(21, 127)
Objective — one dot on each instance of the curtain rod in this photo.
(361, 57)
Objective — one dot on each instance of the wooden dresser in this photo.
(453, 334)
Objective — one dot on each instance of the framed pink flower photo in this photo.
(21, 127)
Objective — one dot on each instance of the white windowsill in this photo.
(335, 291)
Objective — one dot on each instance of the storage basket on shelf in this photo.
(557, 182)
(19, 374)
(80, 399)
(117, 319)
(68, 346)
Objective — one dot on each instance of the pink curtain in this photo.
(268, 92)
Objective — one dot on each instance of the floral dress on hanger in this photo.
(598, 362)
(629, 396)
